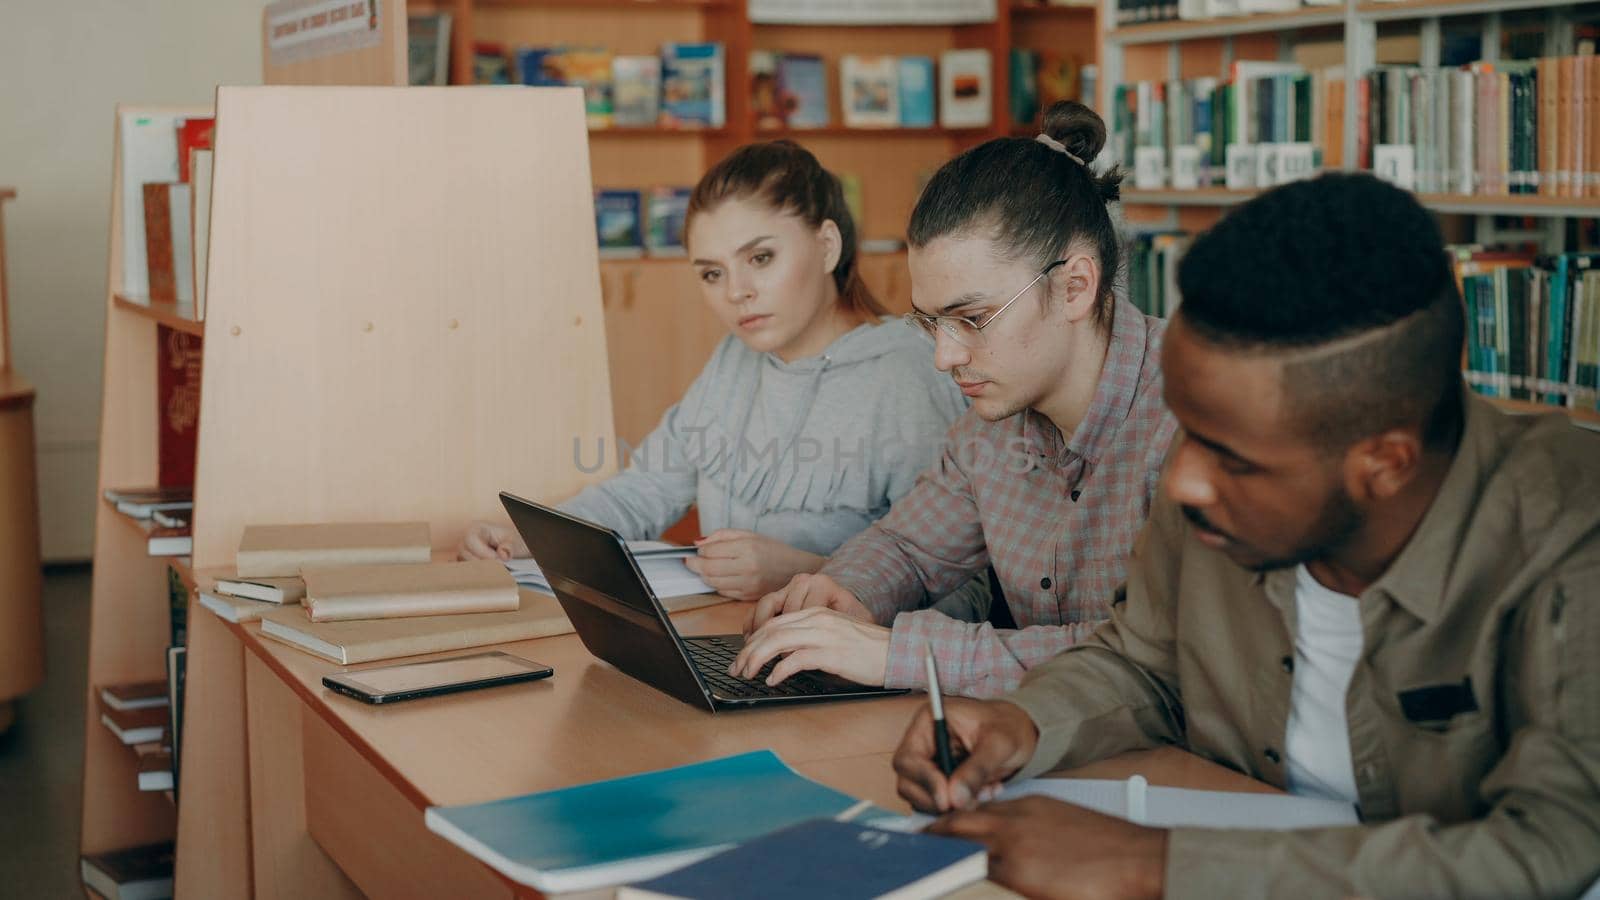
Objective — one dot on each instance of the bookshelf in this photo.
(1359, 36)
(888, 162)
(21, 625)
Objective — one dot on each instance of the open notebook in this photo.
(661, 563)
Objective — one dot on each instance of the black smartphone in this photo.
(408, 681)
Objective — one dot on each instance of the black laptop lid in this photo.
(606, 598)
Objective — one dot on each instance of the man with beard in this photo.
(1361, 582)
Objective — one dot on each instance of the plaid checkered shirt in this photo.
(1056, 518)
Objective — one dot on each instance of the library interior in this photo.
(615, 448)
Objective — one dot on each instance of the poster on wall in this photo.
(871, 12)
(298, 30)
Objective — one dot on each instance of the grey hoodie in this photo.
(808, 453)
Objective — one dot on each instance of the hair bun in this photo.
(1077, 127)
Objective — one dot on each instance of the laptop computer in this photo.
(620, 620)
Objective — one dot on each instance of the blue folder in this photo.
(628, 829)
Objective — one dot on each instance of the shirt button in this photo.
(1288, 664)
(1044, 583)
(1271, 755)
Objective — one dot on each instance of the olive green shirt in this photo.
(1474, 711)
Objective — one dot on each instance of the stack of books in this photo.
(631, 223)
(1533, 325)
(1267, 124)
(685, 86)
(790, 90)
(1525, 127)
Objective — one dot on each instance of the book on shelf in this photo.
(351, 642)
(172, 518)
(134, 726)
(178, 358)
(536, 66)
(428, 48)
(803, 90)
(230, 608)
(588, 68)
(917, 89)
(966, 82)
(142, 502)
(1058, 76)
(148, 152)
(265, 590)
(169, 243)
(693, 85)
(636, 91)
(627, 829)
(619, 223)
(134, 873)
(164, 541)
(134, 695)
(1024, 100)
(869, 91)
(826, 858)
(489, 64)
(155, 768)
(668, 209)
(766, 111)
(177, 608)
(200, 166)
(177, 671)
(854, 199)
(1153, 271)
(281, 551)
(426, 589)
(194, 134)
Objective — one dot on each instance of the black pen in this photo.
(941, 731)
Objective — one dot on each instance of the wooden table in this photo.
(337, 787)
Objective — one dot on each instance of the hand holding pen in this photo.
(986, 742)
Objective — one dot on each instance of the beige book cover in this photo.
(267, 590)
(366, 640)
(236, 609)
(389, 592)
(281, 551)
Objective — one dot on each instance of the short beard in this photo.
(1338, 520)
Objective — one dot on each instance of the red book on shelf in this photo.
(193, 134)
(178, 400)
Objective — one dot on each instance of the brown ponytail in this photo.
(789, 178)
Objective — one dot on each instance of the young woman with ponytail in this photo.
(810, 418)
(1050, 475)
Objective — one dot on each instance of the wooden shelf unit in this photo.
(129, 621)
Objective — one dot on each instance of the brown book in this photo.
(267, 590)
(155, 768)
(391, 592)
(279, 551)
(1566, 71)
(1591, 167)
(168, 242)
(1546, 129)
(134, 726)
(348, 643)
(136, 695)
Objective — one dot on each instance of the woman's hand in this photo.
(486, 540)
(745, 565)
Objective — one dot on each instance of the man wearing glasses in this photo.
(1047, 478)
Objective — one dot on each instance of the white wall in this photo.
(64, 65)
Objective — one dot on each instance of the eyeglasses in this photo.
(962, 329)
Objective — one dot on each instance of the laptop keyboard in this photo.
(713, 655)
